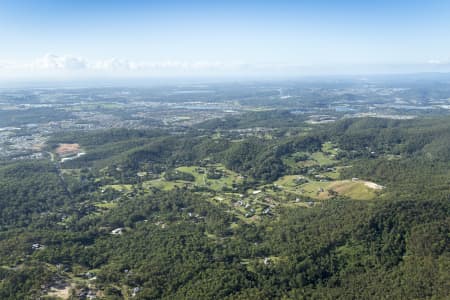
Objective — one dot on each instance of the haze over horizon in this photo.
(140, 39)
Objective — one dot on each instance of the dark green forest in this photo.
(212, 212)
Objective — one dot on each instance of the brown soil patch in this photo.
(323, 195)
(67, 149)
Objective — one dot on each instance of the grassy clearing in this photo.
(316, 190)
(323, 159)
(289, 181)
(296, 204)
(200, 174)
(119, 187)
(357, 190)
(330, 148)
(163, 184)
(332, 174)
(199, 178)
(354, 190)
(106, 205)
(291, 161)
(229, 177)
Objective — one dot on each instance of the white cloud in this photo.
(438, 62)
(55, 62)
(126, 65)
(113, 64)
(68, 66)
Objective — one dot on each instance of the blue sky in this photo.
(154, 38)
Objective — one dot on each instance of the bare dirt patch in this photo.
(61, 290)
(67, 149)
(373, 185)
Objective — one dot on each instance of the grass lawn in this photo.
(329, 148)
(226, 180)
(332, 174)
(357, 190)
(288, 181)
(163, 184)
(323, 159)
(119, 187)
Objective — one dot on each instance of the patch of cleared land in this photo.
(323, 159)
(67, 149)
(358, 190)
(163, 184)
(330, 148)
(61, 291)
(373, 185)
(226, 180)
(119, 187)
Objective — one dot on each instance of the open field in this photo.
(227, 179)
(323, 159)
(358, 190)
(330, 148)
(163, 184)
(119, 187)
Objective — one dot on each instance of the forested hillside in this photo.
(232, 209)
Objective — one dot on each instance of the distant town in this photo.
(29, 116)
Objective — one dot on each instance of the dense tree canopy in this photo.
(168, 216)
